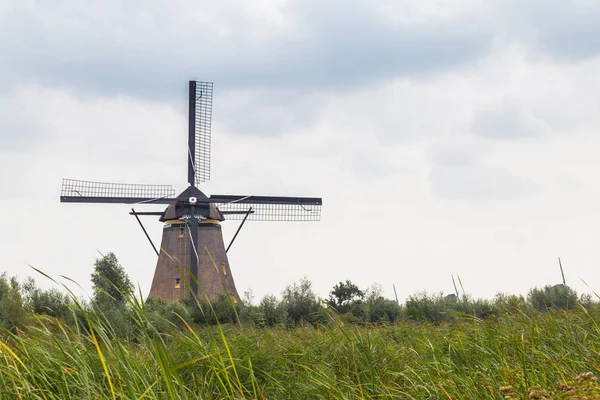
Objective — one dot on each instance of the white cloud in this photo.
(141, 48)
(564, 31)
(508, 121)
(478, 182)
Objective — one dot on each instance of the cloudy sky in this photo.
(445, 136)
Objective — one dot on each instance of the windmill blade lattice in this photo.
(77, 191)
(202, 119)
(269, 208)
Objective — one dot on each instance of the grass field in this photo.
(512, 355)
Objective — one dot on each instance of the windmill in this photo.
(192, 248)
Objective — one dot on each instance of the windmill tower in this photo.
(192, 257)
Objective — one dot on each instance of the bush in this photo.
(222, 311)
(117, 319)
(271, 311)
(479, 308)
(425, 307)
(301, 304)
(166, 315)
(511, 303)
(13, 314)
(440, 308)
(382, 310)
(249, 314)
(50, 302)
(553, 297)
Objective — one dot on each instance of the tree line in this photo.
(113, 293)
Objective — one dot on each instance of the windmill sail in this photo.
(199, 131)
(269, 208)
(76, 191)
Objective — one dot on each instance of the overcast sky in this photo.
(445, 136)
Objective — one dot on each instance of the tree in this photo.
(272, 311)
(553, 297)
(301, 302)
(12, 311)
(51, 302)
(111, 282)
(381, 309)
(343, 294)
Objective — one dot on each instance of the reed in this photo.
(512, 355)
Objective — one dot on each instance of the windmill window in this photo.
(224, 270)
(177, 283)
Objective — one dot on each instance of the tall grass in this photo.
(467, 358)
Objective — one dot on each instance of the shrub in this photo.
(271, 311)
(165, 315)
(222, 311)
(13, 314)
(479, 308)
(382, 310)
(116, 318)
(50, 302)
(553, 297)
(425, 307)
(301, 303)
(511, 303)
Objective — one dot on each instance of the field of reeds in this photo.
(512, 355)
(355, 345)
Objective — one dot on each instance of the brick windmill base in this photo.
(214, 279)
